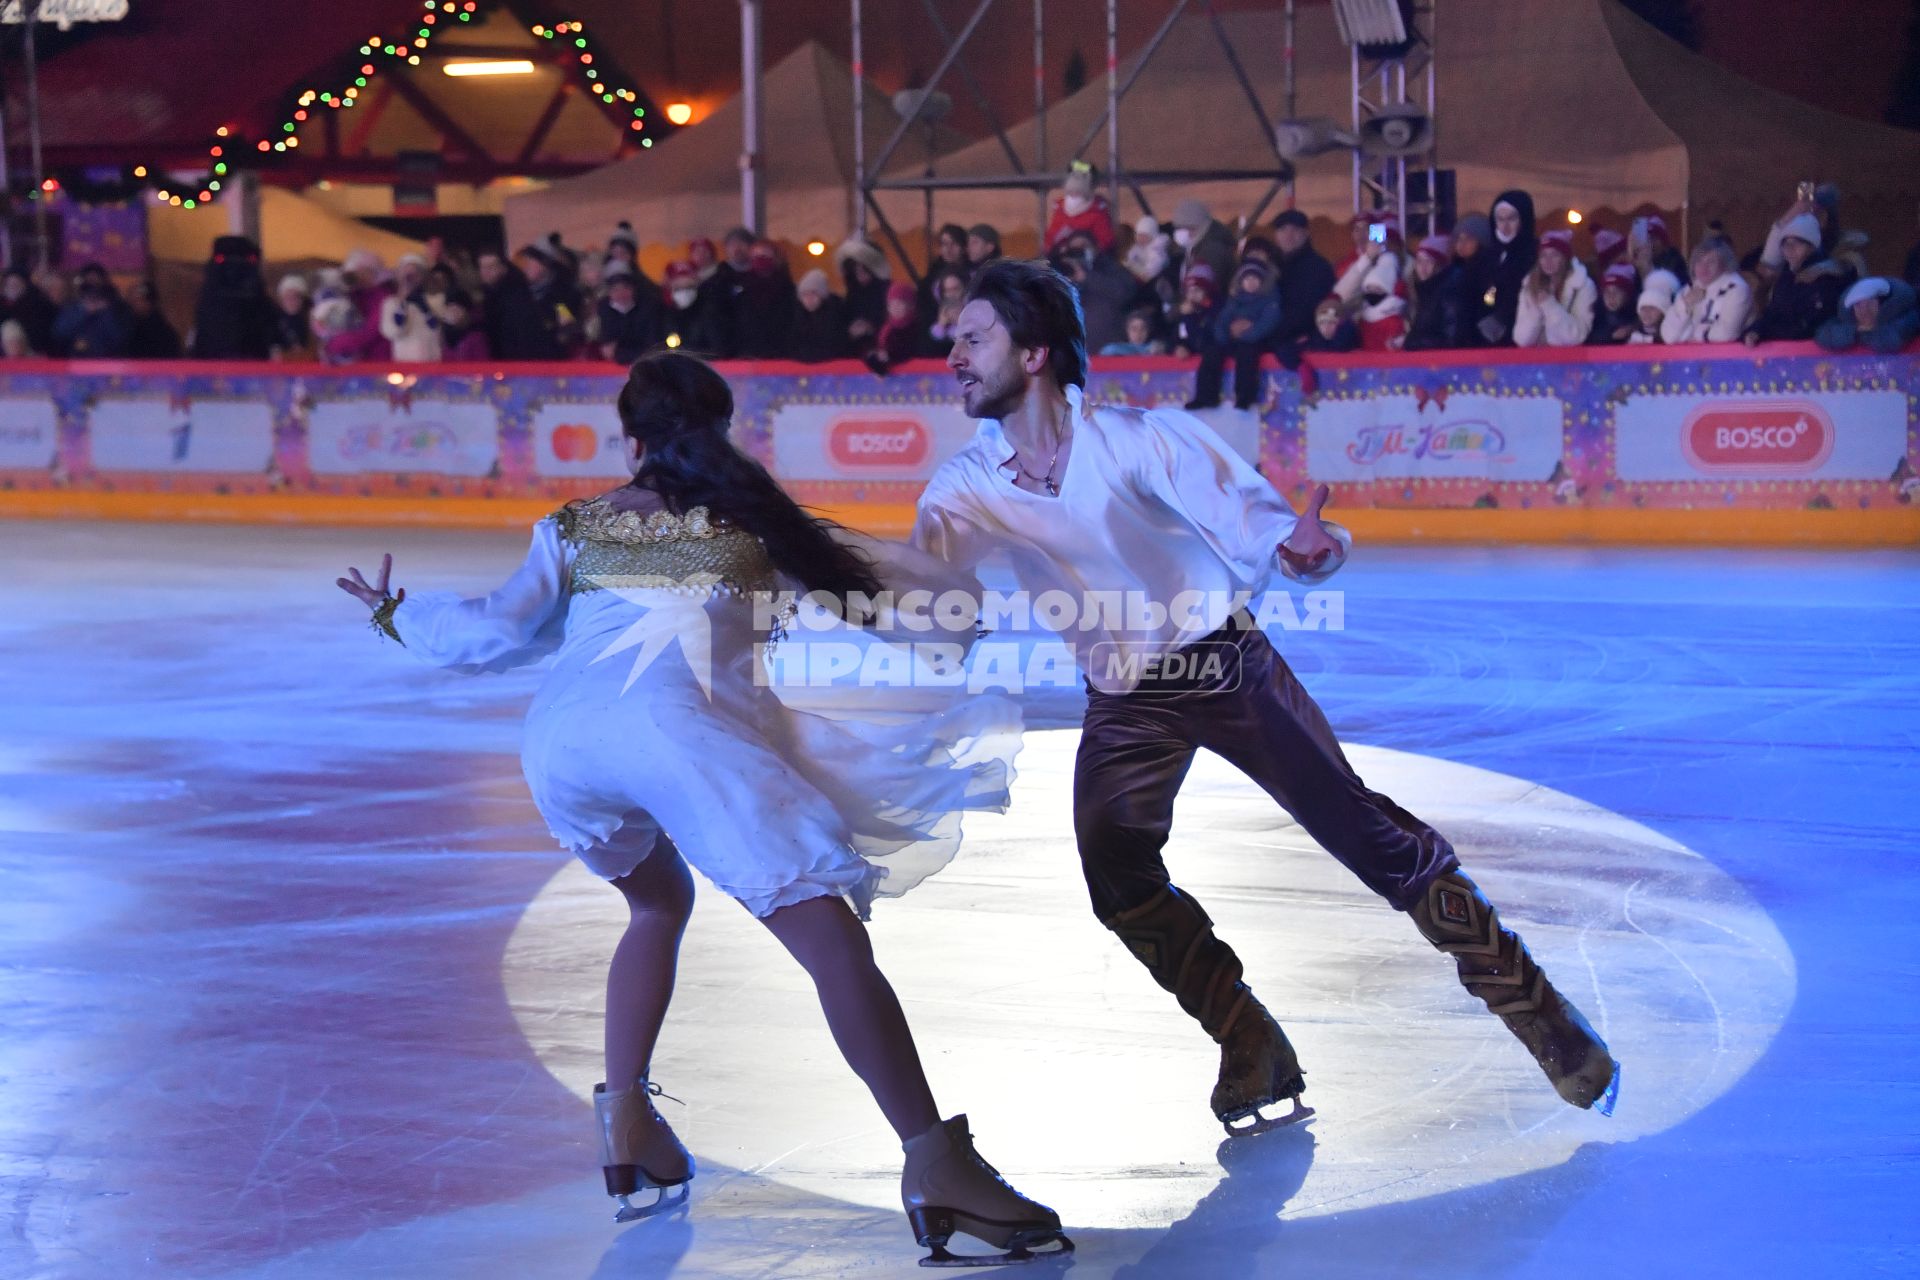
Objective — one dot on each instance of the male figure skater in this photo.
(1152, 504)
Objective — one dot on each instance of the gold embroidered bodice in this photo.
(660, 549)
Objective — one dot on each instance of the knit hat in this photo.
(682, 273)
(1292, 218)
(1659, 291)
(1558, 239)
(1191, 214)
(763, 251)
(1802, 226)
(294, 283)
(411, 260)
(1620, 275)
(1255, 267)
(815, 281)
(1439, 248)
(363, 262)
(1475, 225)
(713, 250)
(617, 270)
(1146, 228)
(1871, 287)
(1201, 274)
(1608, 244)
(623, 234)
(1657, 226)
(903, 291)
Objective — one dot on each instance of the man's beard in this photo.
(999, 401)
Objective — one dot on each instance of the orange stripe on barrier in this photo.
(1898, 526)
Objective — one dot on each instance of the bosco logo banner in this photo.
(1791, 437)
(1824, 435)
(856, 444)
(817, 442)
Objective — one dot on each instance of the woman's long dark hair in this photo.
(679, 409)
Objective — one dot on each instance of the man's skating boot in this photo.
(1173, 937)
(946, 1187)
(1495, 967)
(637, 1150)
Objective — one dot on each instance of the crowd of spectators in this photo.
(1191, 287)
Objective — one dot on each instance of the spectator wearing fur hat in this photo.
(1716, 305)
(1657, 293)
(1556, 302)
(1807, 284)
(1243, 332)
(1202, 238)
(819, 329)
(1877, 313)
(866, 273)
(1081, 207)
(628, 324)
(1614, 320)
(1198, 309)
(1305, 279)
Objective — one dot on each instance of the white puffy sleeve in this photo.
(518, 624)
(1190, 469)
(942, 529)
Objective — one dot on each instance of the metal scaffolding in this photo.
(1382, 85)
(1046, 172)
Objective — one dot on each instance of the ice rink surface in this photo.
(293, 983)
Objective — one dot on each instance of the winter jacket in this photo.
(1721, 316)
(1511, 263)
(411, 328)
(83, 333)
(1899, 321)
(1306, 279)
(1106, 296)
(35, 312)
(819, 335)
(513, 321)
(150, 337)
(1435, 313)
(1607, 324)
(468, 345)
(763, 310)
(1802, 301)
(632, 332)
(1096, 220)
(1194, 332)
(1262, 309)
(1561, 321)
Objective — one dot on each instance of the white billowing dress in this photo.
(652, 719)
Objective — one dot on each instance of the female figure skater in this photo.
(651, 745)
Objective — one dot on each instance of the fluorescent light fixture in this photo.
(500, 67)
(1372, 22)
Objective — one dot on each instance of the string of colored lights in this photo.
(380, 54)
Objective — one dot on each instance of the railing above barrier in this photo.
(1784, 442)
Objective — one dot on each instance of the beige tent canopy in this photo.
(292, 229)
(690, 184)
(1578, 101)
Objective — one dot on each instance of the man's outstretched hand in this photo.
(1309, 546)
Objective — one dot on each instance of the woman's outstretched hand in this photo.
(357, 587)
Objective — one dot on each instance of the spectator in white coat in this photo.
(1556, 301)
(1716, 306)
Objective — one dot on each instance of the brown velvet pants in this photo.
(1246, 706)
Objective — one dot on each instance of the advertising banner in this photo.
(578, 439)
(889, 442)
(1401, 436)
(1834, 435)
(423, 435)
(168, 434)
(29, 432)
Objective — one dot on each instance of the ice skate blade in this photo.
(1020, 1253)
(1267, 1124)
(1604, 1104)
(665, 1202)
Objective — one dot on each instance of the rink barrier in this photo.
(1782, 445)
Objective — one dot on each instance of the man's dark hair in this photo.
(1039, 308)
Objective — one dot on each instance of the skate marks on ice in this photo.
(1088, 1088)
